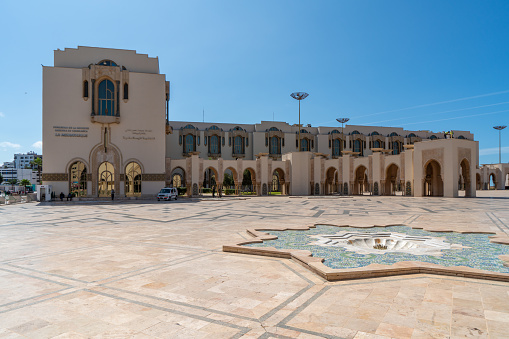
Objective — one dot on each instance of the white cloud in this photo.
(37, 144)
(6, 144)
(494, 150)
(2, 115)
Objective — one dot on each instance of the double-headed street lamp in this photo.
(499, 128)
(299, 96)
(342, 121)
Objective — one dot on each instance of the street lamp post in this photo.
(342, 121)
(499, 128)
(299, 96)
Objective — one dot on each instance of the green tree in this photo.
(37, 163)
(13, 181)
(246, 180)
(228, 180)
(25, 183)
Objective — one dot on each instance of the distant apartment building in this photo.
(21, 168)
(24, 160)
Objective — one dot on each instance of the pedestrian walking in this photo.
(213, 191)
(62, 196)
(112, 194)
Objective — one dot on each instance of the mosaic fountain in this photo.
(338, 253)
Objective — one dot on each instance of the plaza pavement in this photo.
(156, 270)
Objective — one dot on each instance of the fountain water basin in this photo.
(388, 242)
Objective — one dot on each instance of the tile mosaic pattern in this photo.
(480, 254)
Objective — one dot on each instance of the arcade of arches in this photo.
(345, 175)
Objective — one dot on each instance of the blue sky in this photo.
(372, 61)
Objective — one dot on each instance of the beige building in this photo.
(104, 123)
(104, 128)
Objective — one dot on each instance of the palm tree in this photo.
(37, 162)
(25, 183)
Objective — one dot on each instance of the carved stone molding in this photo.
(54, 177)
(153, 177)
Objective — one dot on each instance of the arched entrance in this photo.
(278, 182)
(106, 181)
(178, 177)
(492, 181)
(433, 184)
(478, 182)
(210, 178)
(361, 180)
(331, 181)
(133, 179)
(391, 180)
(465, 175)
(231, 181)
(78, 179)
(249, 181)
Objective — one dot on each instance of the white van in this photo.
(167, 193)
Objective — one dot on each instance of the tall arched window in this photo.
(376, 144)
(78, 179)
(336, 148)
(275, 145)
(133, 180)
(238, 145)
(214, 145)
(106, 179)
(189, 143)
(395, 148)
(106, 98)
(357, 146)
(304, 145)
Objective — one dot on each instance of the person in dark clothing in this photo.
(69, 196)
(112, 194)
(62, 196)
(213, 191)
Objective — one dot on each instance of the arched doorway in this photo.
(331, 181)
(178, 177)
(249, 181)
(278, 182)
(465, 175)
(433, 184)
(78, 179)
(230, 181)
(391, 180)
(210, 178)
(492, 181)
(478, 182)
(106, 180)
(361, 180)
(133, 179)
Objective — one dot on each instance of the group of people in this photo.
(219, 192)
(70, 196)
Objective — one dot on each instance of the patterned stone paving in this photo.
(156, 270)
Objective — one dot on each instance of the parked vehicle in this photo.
(167, 193)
